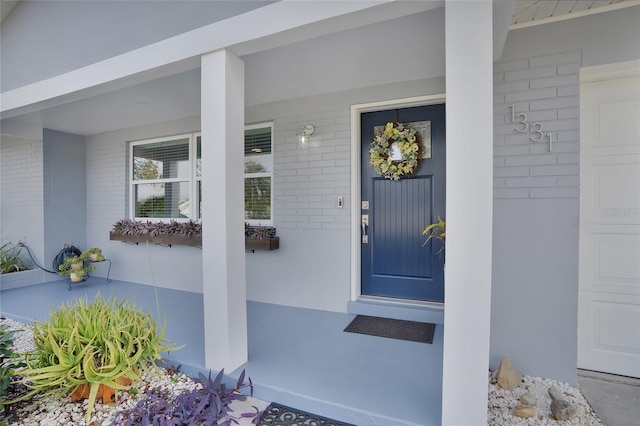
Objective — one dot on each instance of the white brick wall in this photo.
(308, 182)
(545, 88)
(22, 178)
(106, 180)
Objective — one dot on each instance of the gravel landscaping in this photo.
(502, 403)
(46, 412)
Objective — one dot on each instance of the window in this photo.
(166, 176)
(258, 172)
(162, 176)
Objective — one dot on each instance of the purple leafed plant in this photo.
(259, 232)
(206, 406)
(155, 229)
(190, 229)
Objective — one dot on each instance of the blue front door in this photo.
(394, 263)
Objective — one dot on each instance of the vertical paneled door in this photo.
(609, 277)
(394, 262)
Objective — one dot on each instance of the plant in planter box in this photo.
(167, 233)
(92, 350)
(260, 232)
(75, 268)
(11, 259)
(260, 238)
(94, 254)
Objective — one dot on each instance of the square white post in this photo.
(469, 108)
(223, 255)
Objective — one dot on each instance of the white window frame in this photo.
(195, 178)
(262, 222)
(191, 180)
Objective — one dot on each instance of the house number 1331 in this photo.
(523, 126)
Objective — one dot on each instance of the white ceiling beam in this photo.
(280, 23)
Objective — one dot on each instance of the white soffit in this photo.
(537, 12)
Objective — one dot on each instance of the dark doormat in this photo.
(392, 328)
(281, 415)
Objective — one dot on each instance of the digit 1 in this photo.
(513, 113)
(550, 142)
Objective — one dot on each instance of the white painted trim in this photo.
(356, 196)
(610, 71)
(580, 14)
(402, 302)
(270, 174)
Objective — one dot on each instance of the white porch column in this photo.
(223, 255)
(469, 107)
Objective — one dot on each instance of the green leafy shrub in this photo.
(438, 231)
(10, 361)
(99, 343)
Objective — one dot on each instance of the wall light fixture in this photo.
(303, 138)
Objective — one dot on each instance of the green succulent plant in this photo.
(94, 254)
(95, 343)
(75, 265)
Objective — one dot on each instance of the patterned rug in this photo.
(281, 415)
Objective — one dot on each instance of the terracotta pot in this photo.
(105, 393)
(77, 266)
(94, 257)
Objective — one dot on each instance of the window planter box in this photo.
(166, 240)
(272, 243)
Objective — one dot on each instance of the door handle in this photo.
(365, 223)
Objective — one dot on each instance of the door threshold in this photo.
(403, 309)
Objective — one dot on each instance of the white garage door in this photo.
(609, 296)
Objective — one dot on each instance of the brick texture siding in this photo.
(106, 181)
(545, 88)
(308, 182)
(22, 177)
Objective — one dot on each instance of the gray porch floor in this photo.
(298, 357)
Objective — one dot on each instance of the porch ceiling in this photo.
(537, 12)
(528, 12)
(178, 95)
